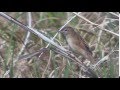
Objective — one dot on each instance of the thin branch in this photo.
(97, 25)
(114, 14)
(98, 40)
(29, 20)
(47, 66)
(85, 18)
(108, 31)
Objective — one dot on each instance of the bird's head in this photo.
(67, 30)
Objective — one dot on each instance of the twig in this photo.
(97, 25)
(84, 18)
(29, 19)
(98, 40)
(27, 56)
(108, 31)
(114, 14)
(47, 65)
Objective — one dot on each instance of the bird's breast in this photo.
(72, 43)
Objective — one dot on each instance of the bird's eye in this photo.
(65, 29)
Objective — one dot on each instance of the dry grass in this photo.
(16, 42)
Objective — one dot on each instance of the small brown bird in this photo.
(77, 43)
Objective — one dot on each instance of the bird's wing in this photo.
(84, 45)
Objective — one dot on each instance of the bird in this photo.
(76, 43)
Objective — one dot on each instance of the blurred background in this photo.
(16, 42)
